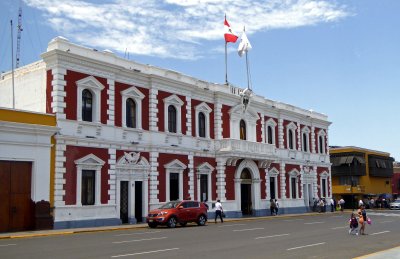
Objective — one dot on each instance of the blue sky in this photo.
(340, 58)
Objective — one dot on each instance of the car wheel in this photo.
(171, 222)
(152, 225)
(183, 224)
(201, 220)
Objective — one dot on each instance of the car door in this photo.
(184, 211)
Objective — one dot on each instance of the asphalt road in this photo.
(306, 236)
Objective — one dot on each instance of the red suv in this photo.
(181, 212)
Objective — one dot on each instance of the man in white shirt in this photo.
(218, 211)
(360, 203)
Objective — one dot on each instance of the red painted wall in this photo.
(226, 129)
(198, 161)
(119, 87)
(259, 129)
(73, 153)
(230, 184)
(263, 180)
(211, 122)
(161, 96)
(164, 159)
(49, 88)
(71, 99)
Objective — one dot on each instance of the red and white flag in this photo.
(230, 36)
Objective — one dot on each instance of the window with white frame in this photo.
(293, 184)
(89, 99)
(204, 173)
(174, 180)
(321, 142)
(172, 114)
(132, 108)
(88, 179)
(203, 120)
(324, 185)
(305, 133)
(270, 131)
(291, 136)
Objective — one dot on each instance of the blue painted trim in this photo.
(87, 223)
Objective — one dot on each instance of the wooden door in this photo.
(16, 208)
(4, 195)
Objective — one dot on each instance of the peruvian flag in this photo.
(229, 34)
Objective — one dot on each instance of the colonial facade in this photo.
(135, 136)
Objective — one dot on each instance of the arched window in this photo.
(242, 130)
(290, 139)
(305, 146)
(321, 143)
(202, 125)
(171, 119)
(87, 107)
(246, 175)
(270, 134)
(130, 113)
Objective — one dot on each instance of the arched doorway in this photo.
(245, 192)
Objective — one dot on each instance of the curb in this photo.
(139, 226)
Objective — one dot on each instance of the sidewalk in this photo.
(393, 253)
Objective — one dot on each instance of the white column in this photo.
(58, 92)
(112, 153)
(299, 142)
(189, 117)
(153, 189)
(59, 180)
(263, 139)
(191, 176)
(111, 102)
(313, 140)
(218, 120)
(267, 187)
(283, 181)
(315, 182)
(221, 191)
(280, 133)
(153, 110)
(98, 189)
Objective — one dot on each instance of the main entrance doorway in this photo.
(245, 192)
(16, 205)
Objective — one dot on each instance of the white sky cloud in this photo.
(176, 28)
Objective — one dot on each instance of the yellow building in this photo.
(359, 173)
(27, 158)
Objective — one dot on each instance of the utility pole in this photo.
(12, 65)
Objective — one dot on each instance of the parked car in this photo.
(175, 212)
(395, 205)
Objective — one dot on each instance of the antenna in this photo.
(19, 28)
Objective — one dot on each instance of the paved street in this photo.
(305, 236)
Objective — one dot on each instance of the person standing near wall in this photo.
(218, 211)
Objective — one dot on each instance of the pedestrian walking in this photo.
(362, 219)
(276, 207)
(332, 205)
(353, 224)
(218, 211)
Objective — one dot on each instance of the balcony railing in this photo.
(243, 146)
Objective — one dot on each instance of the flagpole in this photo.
(226, 63)
(247, 70)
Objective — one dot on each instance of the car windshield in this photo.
(398, 200)
(170, 205)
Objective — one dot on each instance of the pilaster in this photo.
(153, 110)
(218, 120)
(283, 181)
(221, 176)
(58, 92)
(280, 133)
(313, 139)
(191, 176)
(59, 179)
(153, 190)
(111, 102)
(112, 158)
(189, 117)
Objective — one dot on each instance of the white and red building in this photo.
(134, 136)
